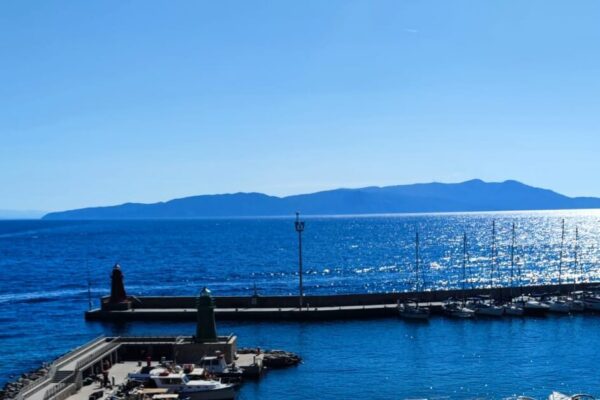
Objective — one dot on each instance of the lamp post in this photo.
(299, 225)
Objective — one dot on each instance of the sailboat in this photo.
(459, 309)
(561, 304)
(487, 306)
(577, 304)
(413, 310)
(512, 307)
(526, 305)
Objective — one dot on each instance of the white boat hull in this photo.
(459, 312)
(593, 305)
(577, 306)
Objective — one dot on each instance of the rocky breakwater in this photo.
(274, 359)
(12, 388)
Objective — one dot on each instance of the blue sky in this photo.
(108, 102)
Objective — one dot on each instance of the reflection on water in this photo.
(43, 293)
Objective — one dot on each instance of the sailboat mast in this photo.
(512, 259)
(464, 267)
(493, 254)
(560, 261)
(417, 265)
(576, 259)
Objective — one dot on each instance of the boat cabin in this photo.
(213, 364)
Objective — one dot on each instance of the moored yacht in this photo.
(412, 309)
(522, 304)
(530, 305)
(457, 309)
(591, 300)
(577, 302)
(562, 304)
(216, 365)
(200, 389)
(559, 304)
(511, 308)
(485, 306)
(577, 305)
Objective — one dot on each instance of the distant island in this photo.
(473, 195)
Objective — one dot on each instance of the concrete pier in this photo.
(67, 374)
(351, 306)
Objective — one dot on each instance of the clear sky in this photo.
(112, 101)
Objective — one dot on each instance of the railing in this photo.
(77, 350)
(38, 382)
(64, 383)
(145, 339)
(54, 390)
(54, 368)
(69, 391)
(71, 383)
(89, 358)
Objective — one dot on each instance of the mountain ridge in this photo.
(471, 195)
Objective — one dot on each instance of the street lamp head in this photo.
(299, 224)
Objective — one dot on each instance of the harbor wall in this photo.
(189, 302)
(181, 348)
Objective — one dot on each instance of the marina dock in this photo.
(66, 377)
(206, 365)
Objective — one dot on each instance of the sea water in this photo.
(48, 267)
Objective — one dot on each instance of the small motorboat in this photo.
(562, 396)
(577, 305)
(485, 307)
(216, 365)
(457, 310)
(559, 304)
(531, 306)
(414, 311)
(201, 389)
(591, 300)
(564, 304)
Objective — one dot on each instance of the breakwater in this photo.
(323, 307)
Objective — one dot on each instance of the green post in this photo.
(206, 328)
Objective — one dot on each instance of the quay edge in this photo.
(323, 307)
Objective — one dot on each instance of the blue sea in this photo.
(45, 268)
